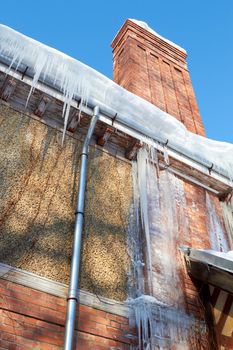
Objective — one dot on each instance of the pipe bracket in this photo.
(24, 73)
(211, 168)
(113, 119)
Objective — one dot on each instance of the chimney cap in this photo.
(146, 27)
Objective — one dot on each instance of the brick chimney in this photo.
(155, 69)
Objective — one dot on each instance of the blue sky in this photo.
(85, 29)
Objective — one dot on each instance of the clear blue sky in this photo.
(85, 29)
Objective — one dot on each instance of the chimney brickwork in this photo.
(156, 70)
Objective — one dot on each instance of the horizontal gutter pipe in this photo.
(118, 117)
(76, 256)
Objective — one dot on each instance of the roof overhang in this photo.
(210, 267)
(126, 120)
(123, 137)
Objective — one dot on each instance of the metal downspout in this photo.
(79, 218)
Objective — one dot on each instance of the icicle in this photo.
(75, 79)
(227, 208)
(161, 317)
(143, 169)
(136, 275)
(46, 64)
(161, 327)
(216, 232)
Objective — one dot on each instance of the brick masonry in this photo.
(156, 71)
(31, 319)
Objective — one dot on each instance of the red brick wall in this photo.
(196, 300)
(31, 319)
(197, 238)
(156, 71)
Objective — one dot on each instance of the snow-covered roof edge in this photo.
(74, 78)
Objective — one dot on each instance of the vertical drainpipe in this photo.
(79, 218)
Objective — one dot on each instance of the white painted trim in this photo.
(58, 289)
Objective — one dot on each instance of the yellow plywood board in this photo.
(38, 188)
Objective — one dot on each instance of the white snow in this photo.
(74, 78)
(145, 26)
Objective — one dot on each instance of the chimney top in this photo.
(146, 27)
(140, 27)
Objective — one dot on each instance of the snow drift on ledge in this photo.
(74, 78)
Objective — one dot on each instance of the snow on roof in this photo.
(145, 26)
(74, 78)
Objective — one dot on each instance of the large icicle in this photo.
(161, 202)
(143, 188)
(136, 275)
(162, 327)
(161, 316)
(216, 233)
(76, 79)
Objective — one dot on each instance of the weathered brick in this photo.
(157, 72)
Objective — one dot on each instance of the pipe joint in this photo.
(79, 212)
(96, 111)
(72, 294)
(72, 298)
